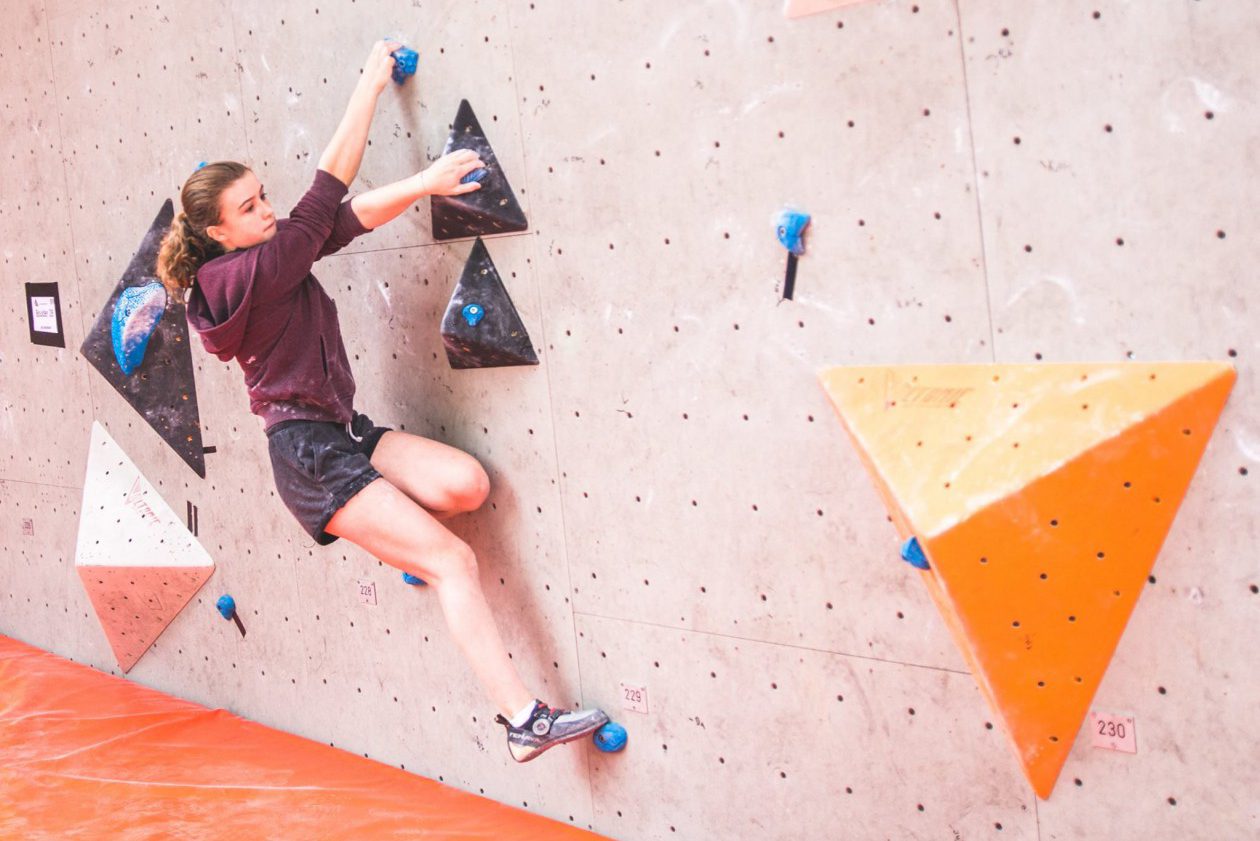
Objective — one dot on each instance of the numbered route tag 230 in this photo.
(1113, 732)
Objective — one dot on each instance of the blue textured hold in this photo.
(411, 579)
(475, 175)
(473, 313)
(136, 315)
(912, 553)
(789, 226)
(404, 63)
(200, 165)
(226, 606)
(611, 737)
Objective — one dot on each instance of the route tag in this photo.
(1113, 732)
(634, 697)
(367, 591)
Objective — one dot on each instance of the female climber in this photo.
(246, 279)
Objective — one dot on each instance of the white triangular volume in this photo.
(124, 520)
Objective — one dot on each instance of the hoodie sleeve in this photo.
(346, 226)
(285, 260)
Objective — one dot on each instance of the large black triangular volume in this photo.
(491, 210)
(481, 328)
(162, 388)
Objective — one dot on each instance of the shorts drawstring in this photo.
(350, 432)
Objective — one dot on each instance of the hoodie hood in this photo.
(221, 320)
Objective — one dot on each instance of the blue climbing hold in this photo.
(200, 165)
(404, 64)
(411, 579)
(912, 553)
(475, 175)
(789, 225)
(473, 313)
(611, 737)
(226, 606)
(136, 315)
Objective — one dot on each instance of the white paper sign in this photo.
(44, 315)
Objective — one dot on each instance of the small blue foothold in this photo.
(404, 64)
(475, 175)
(203, 163)
(611, 737)
(789, 226)
(912, 553)
(473, 313)
(226, 606)
(411, 579)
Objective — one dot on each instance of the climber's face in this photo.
(245, 215)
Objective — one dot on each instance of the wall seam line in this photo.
(346, 252)
(8, 481)
(795, 646)
(240, 87)
(551, 399)
(975, 175)
(65, 179)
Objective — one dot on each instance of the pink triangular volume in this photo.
(138, 562)
(135, 604)
(801, 8)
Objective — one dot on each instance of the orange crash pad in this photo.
(84, 754)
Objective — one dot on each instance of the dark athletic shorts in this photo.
(319, 465)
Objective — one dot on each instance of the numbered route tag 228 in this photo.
(1113, 732)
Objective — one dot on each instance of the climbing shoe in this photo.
(547, 728)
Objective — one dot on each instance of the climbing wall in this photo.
(678, 521)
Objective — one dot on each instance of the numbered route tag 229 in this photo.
(634, 697)
(1113, 732)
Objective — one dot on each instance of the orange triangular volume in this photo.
(137, 561)
(801, 8)
(1041, 496)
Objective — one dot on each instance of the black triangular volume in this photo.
(498, 339)
(162, 389)
(491, 210)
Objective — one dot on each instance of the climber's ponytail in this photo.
(187, 246)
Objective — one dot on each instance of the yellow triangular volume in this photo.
(1041, 496)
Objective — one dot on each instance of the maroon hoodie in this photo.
(263, 307)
